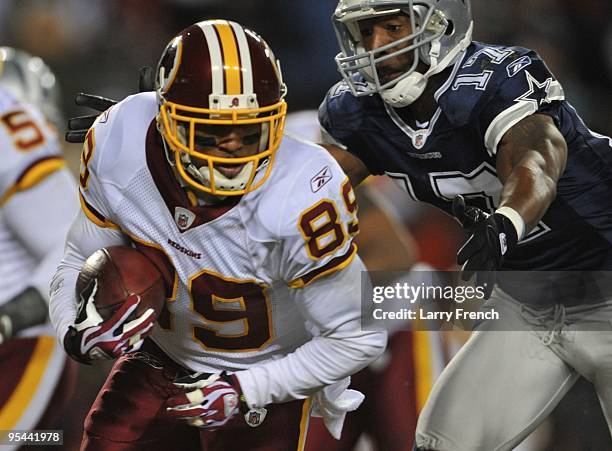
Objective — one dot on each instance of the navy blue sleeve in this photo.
(343, 118)
(526, 86)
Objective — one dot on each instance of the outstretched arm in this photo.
(531, 158)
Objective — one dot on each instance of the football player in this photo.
(37, 205)
(254, 234)
(484, 132)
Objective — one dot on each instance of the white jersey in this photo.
(37, 203)
(246, 277)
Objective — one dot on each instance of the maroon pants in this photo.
(129, 413)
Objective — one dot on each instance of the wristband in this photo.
(515, 218)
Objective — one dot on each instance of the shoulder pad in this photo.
(478, 77)
(342, 114)
(113, 153)
(118, 138)
(29, 147)
(310, 210)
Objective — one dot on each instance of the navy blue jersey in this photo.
(487, 91)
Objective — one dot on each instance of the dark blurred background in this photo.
(98, 45)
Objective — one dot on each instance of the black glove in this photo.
(492, 237)
(27, 309)
(78, 126)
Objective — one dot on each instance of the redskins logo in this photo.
(169, 64)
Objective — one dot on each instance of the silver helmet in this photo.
(440, 31)
(29, 79)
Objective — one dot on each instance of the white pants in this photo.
(503, 384)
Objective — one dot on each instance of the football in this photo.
(121, 271)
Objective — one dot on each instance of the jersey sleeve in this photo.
(317, 222)
(52, 202)
(84, 238)
(100, 187)
(526, 87)
(342, 117)
(29, 150)
(92, 195)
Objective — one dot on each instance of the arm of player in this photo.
(50, 202)
(384, 243)
(354, 168)
(341, 348)
(333, 305)
(76, 327)
(531, 158)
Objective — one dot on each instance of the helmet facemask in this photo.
(185, 131)
(436, 38)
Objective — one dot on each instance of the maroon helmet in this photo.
(217, 73)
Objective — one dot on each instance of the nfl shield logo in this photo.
(255, 417)
(184, 218)
(182, 221)
(419, 140)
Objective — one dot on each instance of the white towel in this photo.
(333, 402)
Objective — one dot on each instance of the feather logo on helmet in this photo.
(169, 64)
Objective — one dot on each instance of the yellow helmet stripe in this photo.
(245, 58)
(231, 58)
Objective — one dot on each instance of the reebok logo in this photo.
(518, 66)
(320, 179)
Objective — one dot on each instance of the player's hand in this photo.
(92, 338)
(492, 237)
(78, 126)
(209, 401)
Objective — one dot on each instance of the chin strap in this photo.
(222, 182)
(407, 90)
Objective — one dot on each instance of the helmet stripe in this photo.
(216, 61)
(231, 58)
(245, 58)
